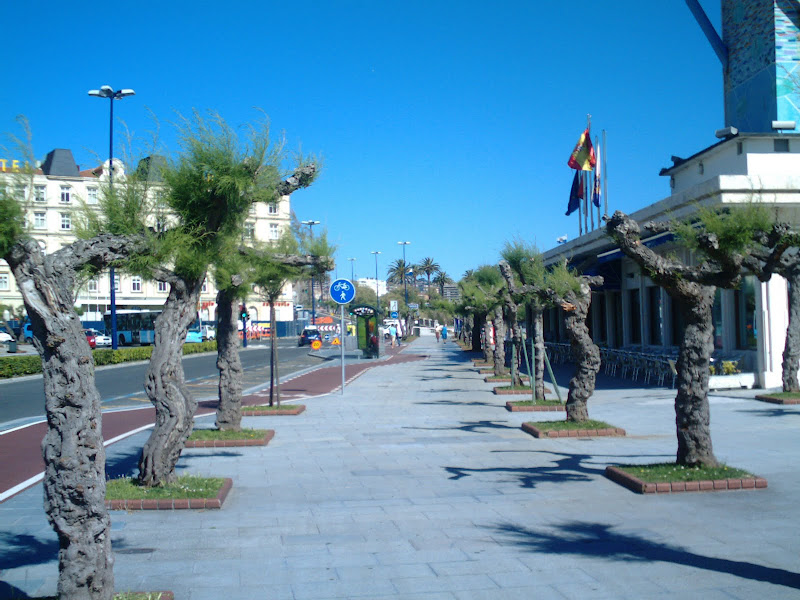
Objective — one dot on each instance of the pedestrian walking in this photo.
(393, 334)
(436, 333)
(444, 333)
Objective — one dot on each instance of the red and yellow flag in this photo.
(583, 158)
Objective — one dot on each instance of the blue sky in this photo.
(446, 124)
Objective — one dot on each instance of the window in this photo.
(252, 211)
(656, 315)
(116, 283)
(136, 284)
(91, 195)
(4, 282)
(40, 220)
(40, 193)
(66, 221)
(162, 287)
(274, 232)
(91, 286)
(745, 308)
(634, 307)
(19, 192)
(781, 145)
(249, 231)
(273, 208)
(42, 246)
(65, 194)
(205, 285)
(739, 147)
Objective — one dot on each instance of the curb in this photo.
(178, 504)
(503, 379)
(773, 400)
(571, 433)
(635, 484)
(263, 441)
(294, 410)
(501, 392)
(510, 406)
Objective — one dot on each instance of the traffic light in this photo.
(243, 313)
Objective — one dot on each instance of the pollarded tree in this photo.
(209, 189)
(572, 292)
(481, 296)
(526, 263)
(74, 455)
(729, 242)
(789, 268)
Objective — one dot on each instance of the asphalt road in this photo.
(22, 399)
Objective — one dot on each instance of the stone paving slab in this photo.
(417, 483)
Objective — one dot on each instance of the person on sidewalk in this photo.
(392, 334)
(436, 333)
(444, 333)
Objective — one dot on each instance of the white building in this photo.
(54, 194)
(371, 283)
(631, 311)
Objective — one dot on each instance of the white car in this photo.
(100, 339)
(207, 332)
(5, 337)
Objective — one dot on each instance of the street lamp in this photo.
(313, 309)
(108, 92)
(377, 295)
(405, 269)
(352, 266)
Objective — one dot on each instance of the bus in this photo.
(133, 326)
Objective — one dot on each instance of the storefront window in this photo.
(745, 306)
(716, 317)
(634, 314)
(656, 315)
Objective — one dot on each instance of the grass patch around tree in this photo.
(217, 434)
(538, 403)
(186, 487)
(568, 425)
(514, 388)
(668, 472)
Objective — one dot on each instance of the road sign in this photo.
(342, 291)
(335, 342)
(316, 345)
(393, 307)
(413, 306)
(393, 314)
(327, 337)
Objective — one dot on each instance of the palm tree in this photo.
(399, 269)
(442, 279)
(429, 267)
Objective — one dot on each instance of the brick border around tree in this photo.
(490, 379)
(176, 504)
(262, 441)
(511, 407)
(498, 391)
(773, 400)
(572, 433)
(635, 484)
(278, 412)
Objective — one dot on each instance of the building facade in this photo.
(55, 194)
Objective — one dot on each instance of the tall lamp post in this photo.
(405, 270)
(377, 295)
(313, 309)
(108, 92)
(352, 269)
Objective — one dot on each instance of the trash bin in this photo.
(12, 346)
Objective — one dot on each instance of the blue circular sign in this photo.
(342, 291)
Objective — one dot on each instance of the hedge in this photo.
(15, 366)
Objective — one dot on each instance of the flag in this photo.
(596, 188)
(575, 194)
(582, 157)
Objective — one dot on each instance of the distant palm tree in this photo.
(398, 270)
(429, 267)
(442, 279)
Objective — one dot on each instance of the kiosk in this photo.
(367, 333)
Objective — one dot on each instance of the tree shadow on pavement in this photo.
(21, 550)
(770, 412)
(9, 592)
(470, 426)
(567, 468)
(599, 540)
(457, 403)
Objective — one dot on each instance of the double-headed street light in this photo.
(313, 309)
(377, 295)
(108, 92)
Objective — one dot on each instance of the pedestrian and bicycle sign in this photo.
(342, 291)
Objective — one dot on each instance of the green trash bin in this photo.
(12, 346)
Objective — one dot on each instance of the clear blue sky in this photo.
(447, 124)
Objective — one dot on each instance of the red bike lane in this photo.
(21, 451)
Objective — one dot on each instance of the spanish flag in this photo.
(583, 158)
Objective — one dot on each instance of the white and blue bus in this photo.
(133, 326)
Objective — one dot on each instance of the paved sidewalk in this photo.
(417, 484)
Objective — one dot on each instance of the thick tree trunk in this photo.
(791, 350)
(692, 415)
(478, 324)
(73, 451)
(499, 355)
(229, 411)
(585, 353)
(166, 387)
(274, 378)
(538, 353)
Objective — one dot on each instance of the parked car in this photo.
(194, 337)
(100, 339)
(309, 335)
(90, 337)
(207, 332)
(5, 337)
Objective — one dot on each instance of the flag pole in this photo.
(586, 200)
(599, 220)
(605, 176)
